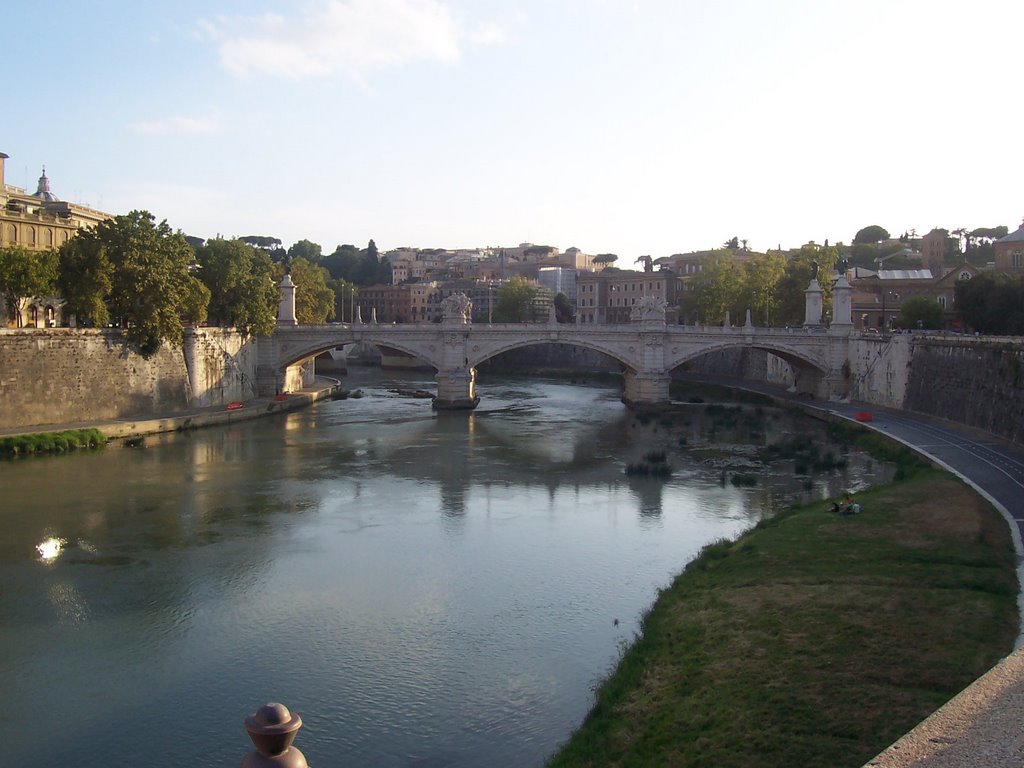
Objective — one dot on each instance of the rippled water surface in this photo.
(424, 589)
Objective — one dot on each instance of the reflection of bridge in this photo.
(647, 348)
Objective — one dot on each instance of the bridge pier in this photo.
(456, 390)
(645, 390)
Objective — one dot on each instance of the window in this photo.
(1018, 259)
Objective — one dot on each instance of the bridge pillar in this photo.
(456, 390)
(643, 390)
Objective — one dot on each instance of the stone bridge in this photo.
(647, 348)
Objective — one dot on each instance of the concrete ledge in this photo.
(117, 429)
(980, 726)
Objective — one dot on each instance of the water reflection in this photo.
(420, 586)
(50, 549)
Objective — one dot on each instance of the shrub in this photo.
(51, 442)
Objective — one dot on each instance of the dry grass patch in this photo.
(814, 640)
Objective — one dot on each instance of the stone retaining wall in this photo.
(68, 375)
(977, 381)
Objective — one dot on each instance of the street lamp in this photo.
(885, 320)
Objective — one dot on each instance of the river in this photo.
(424, 589)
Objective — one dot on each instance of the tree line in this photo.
(140, 275)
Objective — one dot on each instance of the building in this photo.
(934, 247)
(559, 280)
(1009, 252)
(878, 295)
(40, 221)
(610, 295)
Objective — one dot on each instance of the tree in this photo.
(25, 275)
(790, 299)
(717, 288)
(343, 264)
(992, 303)
(370, 269)
(761, 276)
(871, 234)
(564, 310)
(733, 243)
(314, 300)
(990, 233)
(920, 312)
(345, 294)
(262, 241)
(605, 258)
(152, 293)
(240, 278)
(515, 301)
(152, 290)
(304, 249)
(85, 278)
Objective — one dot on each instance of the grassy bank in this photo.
(51, 442)
(815, 639)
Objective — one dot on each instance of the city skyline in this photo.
(626, 127)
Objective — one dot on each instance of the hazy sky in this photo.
(626, 126)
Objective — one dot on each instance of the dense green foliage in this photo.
(51, 442)
(240, 278)
(24, 275)
(770, 285)
(515, 301)
(314, 300)
(85, 279)
(992, 303)
(262, 241)
(139, 270)
(920, 312)
(871, 234)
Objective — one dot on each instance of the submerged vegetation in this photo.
(653, 465)
(51, 442)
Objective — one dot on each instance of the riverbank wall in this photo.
(976, 381)
(66, 375)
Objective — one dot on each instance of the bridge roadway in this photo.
(647, 350)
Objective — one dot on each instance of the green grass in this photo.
(814, 639)
(51, 442)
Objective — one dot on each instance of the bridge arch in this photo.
(481, 355)
(795, 357)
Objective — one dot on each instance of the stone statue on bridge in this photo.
(647, 309)
(457, 308)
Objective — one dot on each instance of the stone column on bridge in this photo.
(813, 303)
(286, 310)
(842, 304)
